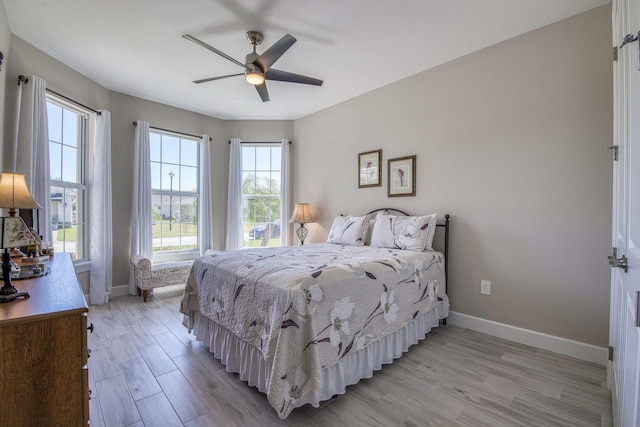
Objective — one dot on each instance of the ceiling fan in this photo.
(257, 68)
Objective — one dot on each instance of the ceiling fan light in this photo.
(254, 77)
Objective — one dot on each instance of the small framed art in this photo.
(370, 169)
(402, 177)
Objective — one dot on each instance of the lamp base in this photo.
(16, 295)
(8, 292)
(302, 233)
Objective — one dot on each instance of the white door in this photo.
(625, 286)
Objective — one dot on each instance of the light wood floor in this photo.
(146, 370)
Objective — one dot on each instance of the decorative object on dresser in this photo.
(401, 177)
(43, 342)
(14, 194)
(301, 215)
(14, 233)
(370, 169)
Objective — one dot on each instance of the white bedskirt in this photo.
(244, 359)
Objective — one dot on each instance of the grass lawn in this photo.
(66, 234)
(159, 230)
(164, 229)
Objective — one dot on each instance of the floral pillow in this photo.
(413, 233)
(348, 230)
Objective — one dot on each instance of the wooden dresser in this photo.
(44, 379)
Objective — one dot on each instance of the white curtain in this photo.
(205, 211)
(32, 151)
(285, 194)
(235, 235)
(141, 233)
(100, 213)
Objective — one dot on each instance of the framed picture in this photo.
(370, 169)
(402, 177)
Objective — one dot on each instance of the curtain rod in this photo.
(173, 131)
(71, 100)
(260, 142)
(24, 79)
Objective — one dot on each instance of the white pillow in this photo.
(368, 230)
(348, 230)
(413, 233)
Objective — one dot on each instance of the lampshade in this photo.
(14, 193)
(254, 77)
(301, 214)
(15, 233)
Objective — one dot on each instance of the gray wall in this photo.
(124, 111)
(260, 130)
(511, 141)
(26, 59)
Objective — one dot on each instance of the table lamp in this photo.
(14, 194)
(302, 216)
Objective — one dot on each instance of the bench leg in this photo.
(145, 294)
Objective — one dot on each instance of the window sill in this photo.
(82, 266)
(175, 256)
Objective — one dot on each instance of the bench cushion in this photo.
(148, 276)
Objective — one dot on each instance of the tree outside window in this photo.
(261, 178)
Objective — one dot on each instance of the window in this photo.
(174, 189)
(67, 145)
(261, 176)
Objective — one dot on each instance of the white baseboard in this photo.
(116, 291)
(119, 291)
(579, 350)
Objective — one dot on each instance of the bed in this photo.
(301, 323)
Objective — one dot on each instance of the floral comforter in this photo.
(307, 307)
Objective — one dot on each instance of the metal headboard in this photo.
(388, 210)
(445, 224)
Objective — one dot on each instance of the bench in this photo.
(148, 276)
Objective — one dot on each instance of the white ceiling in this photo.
(355, 46)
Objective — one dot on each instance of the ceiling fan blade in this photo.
(212, 49)
(272, 54)
(262, 90)
(210, 79)
(285, 76)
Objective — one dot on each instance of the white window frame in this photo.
(178, 254)
(82, 186)
(263, 196)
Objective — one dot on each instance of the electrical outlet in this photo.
(485, 287)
